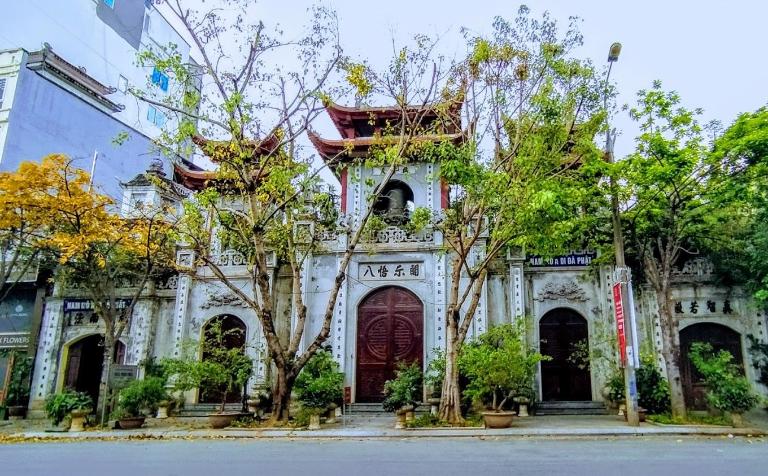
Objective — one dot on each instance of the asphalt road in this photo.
(441, 456)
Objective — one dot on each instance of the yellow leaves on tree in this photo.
(69, 216)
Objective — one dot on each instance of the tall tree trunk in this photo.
(450, 402)
(106, 370)
(281, 396)
(670, 336)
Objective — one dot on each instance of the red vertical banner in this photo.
(619, 313)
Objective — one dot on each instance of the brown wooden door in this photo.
(721, 338)
(559, 331)
(389, 330)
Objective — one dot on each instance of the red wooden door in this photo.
(389, 330)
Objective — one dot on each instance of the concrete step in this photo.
(571, 408)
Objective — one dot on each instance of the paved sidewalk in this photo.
(383, 427)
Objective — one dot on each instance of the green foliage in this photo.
(666, 182)
(404, 389)
(320, 382)
(426, 420)
(499, 365)
(142, 394)
(59, 405)
(420, 219)
(615, 386)
(740, 160)
(652, 387)
(727, 389)
(17, 392)
(435, 374)
(358, 77)
(223, 367)
(759, 352)
(374, 225)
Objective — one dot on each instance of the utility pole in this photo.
(624, 306)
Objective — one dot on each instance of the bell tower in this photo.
(415, 184)
(392, 306)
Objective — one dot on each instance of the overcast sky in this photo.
(712, 52)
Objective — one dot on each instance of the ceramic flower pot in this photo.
(498, 419)
(77, 420)
(131, 423)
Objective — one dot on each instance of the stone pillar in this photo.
(47, 358)
(139, 335)
(338, 337)
(183, 258)
(516, 292)
(439, 298)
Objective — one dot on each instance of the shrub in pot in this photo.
(223, 367)
(499, 366)
(137, 396)
(402, 392)
(727, 389)
(76, 405)
(319, 385)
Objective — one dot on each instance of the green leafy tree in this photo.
(668, 208)
(538, 109)
(740, 245)
(499, 366)
(212, 363)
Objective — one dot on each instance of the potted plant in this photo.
(727, 389)
(223, 368)
(76, 405)
(137, 396)
(402, 392)
(17, 394)
(498, 365)
(319, 386)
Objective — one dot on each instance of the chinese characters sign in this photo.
(707, 306)
(390, 271)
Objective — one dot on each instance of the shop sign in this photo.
(14, 340)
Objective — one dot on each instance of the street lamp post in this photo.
(624, 306)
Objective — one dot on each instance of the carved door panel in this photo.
(389, 331)
(721, 338)
(73, 366)
(560, 331)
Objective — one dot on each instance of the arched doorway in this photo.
(561, 332)
(232, 335)
(390, 324)
(85, 360)
(721, 338)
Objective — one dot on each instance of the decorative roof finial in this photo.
(156, 167)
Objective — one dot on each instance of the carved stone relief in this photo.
(568, 290)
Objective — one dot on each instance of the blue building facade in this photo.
(58, 109)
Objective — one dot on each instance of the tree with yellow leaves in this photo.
(25, 220)
(109, 257)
